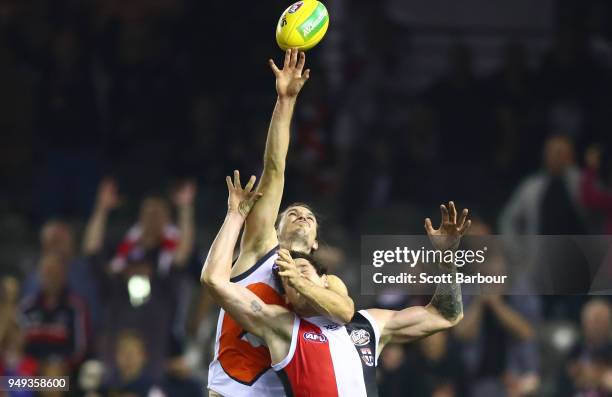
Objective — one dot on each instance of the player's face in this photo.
(299, 303)
(298, 222)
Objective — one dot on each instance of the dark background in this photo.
(493, 104)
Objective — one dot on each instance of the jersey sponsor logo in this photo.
(315, 337)
(367, 356)
(331, 327)
(295, 7)
(360, 337)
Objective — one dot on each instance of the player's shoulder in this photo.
(336, 284)
(252, 257)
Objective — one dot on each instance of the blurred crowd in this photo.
(114, 114)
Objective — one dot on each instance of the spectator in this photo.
(591, 357)
(595, 191)
(154, 230)
(55, 320)
(547, 201)
(151, 254)
(13, 359)
(130, 377)
(432, 367)
(57, 238)
(498, 336)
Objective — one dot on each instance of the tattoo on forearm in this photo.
(255, 306)
(447, 298)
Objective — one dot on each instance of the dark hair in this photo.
(319, 268)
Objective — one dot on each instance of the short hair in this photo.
(319, 267)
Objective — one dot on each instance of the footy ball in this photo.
(302, 25)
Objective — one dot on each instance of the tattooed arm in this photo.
(246, 308)
(445, 309)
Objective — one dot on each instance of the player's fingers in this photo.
(306, 74)
(287, 58)
(444, 212)
(281, 259)
(462, 217)
(285, 255)
(453, 212)
(275, 69)
(428, 227)
(250, 184)
(281, 264)
(237, 183)
(465, 227)
(228, 180)
(301, 61)
(294, 57)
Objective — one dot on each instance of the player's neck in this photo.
(295, 245)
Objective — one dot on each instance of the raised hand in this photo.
(241, 200)
(291, 78)
(107, 198)
(287, 268)
(451, 229)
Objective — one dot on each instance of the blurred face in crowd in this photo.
(596, 322)
(53, 368)
(56, 237)
(9, 290)
(298, 302)
(558, 155)
(154, 216)
(52, 274)
(298, 228)
(130, 356)
(12, 344)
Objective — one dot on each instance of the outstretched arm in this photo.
(106, 200)
(259, 234)
(241, 304)
(445, 309)
(184, 198)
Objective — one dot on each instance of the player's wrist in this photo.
(286, 100)
(234, 214)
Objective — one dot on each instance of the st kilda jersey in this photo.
(326, 359)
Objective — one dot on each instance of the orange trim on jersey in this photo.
(239, 359)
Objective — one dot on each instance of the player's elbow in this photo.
(210, 279)
(454, 321)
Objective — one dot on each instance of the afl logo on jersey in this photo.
(315, 337)
(360, 337)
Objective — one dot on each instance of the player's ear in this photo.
(315, 245)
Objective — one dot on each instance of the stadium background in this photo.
(410, 103)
